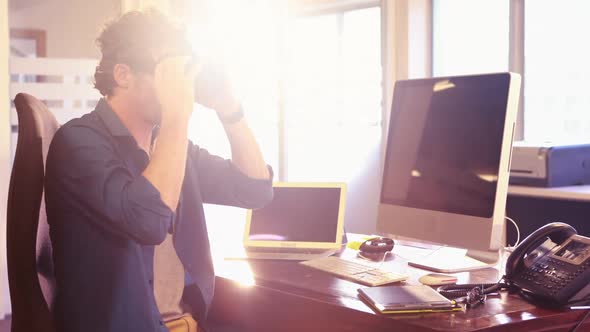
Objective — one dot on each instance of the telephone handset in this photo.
(552, 266)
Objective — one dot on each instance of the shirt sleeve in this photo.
(84, 164)
(221, 182)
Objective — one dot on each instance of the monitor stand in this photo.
(452, 260)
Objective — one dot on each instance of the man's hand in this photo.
(174, 83)
(214, 90)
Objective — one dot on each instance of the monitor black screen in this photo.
(444, 144)
(301, 214)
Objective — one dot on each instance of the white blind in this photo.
(65, 85)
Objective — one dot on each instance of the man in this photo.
(125, 207)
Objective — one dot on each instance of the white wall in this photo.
(4, 153)
(72, 25)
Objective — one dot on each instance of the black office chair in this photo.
(30, 265)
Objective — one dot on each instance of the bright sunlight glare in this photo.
(243, 36)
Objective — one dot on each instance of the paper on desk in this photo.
(411, 253)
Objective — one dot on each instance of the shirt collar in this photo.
(111, 120)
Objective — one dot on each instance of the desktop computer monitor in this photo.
(447, 164)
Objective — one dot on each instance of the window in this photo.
(543, 39)
(333, 95)
(470, 36)
(557, 71)
(244, 37)
(313, 94)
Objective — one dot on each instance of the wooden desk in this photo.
(286, 296)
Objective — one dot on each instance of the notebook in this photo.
(304, 221)
(406, 299)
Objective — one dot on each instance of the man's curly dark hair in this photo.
(131, 40)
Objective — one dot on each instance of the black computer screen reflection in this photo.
(450, 161)
(298, 214)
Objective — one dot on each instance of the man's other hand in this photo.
(214, 90)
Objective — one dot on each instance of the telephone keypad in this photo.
(553, 276)
(555, 272)
(550, 278)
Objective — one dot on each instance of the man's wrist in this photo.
(175, 123)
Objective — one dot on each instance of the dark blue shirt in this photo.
(105, 219)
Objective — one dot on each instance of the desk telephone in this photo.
(552, 266)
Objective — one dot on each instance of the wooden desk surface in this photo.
(265, 295)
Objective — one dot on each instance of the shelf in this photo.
(573, 193)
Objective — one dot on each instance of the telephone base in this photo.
(452, 260)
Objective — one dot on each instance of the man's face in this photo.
(143, 96)
(142, 91)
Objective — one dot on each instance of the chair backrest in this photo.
(30, 264)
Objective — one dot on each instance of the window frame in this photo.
(516, 58)
(515, 54)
